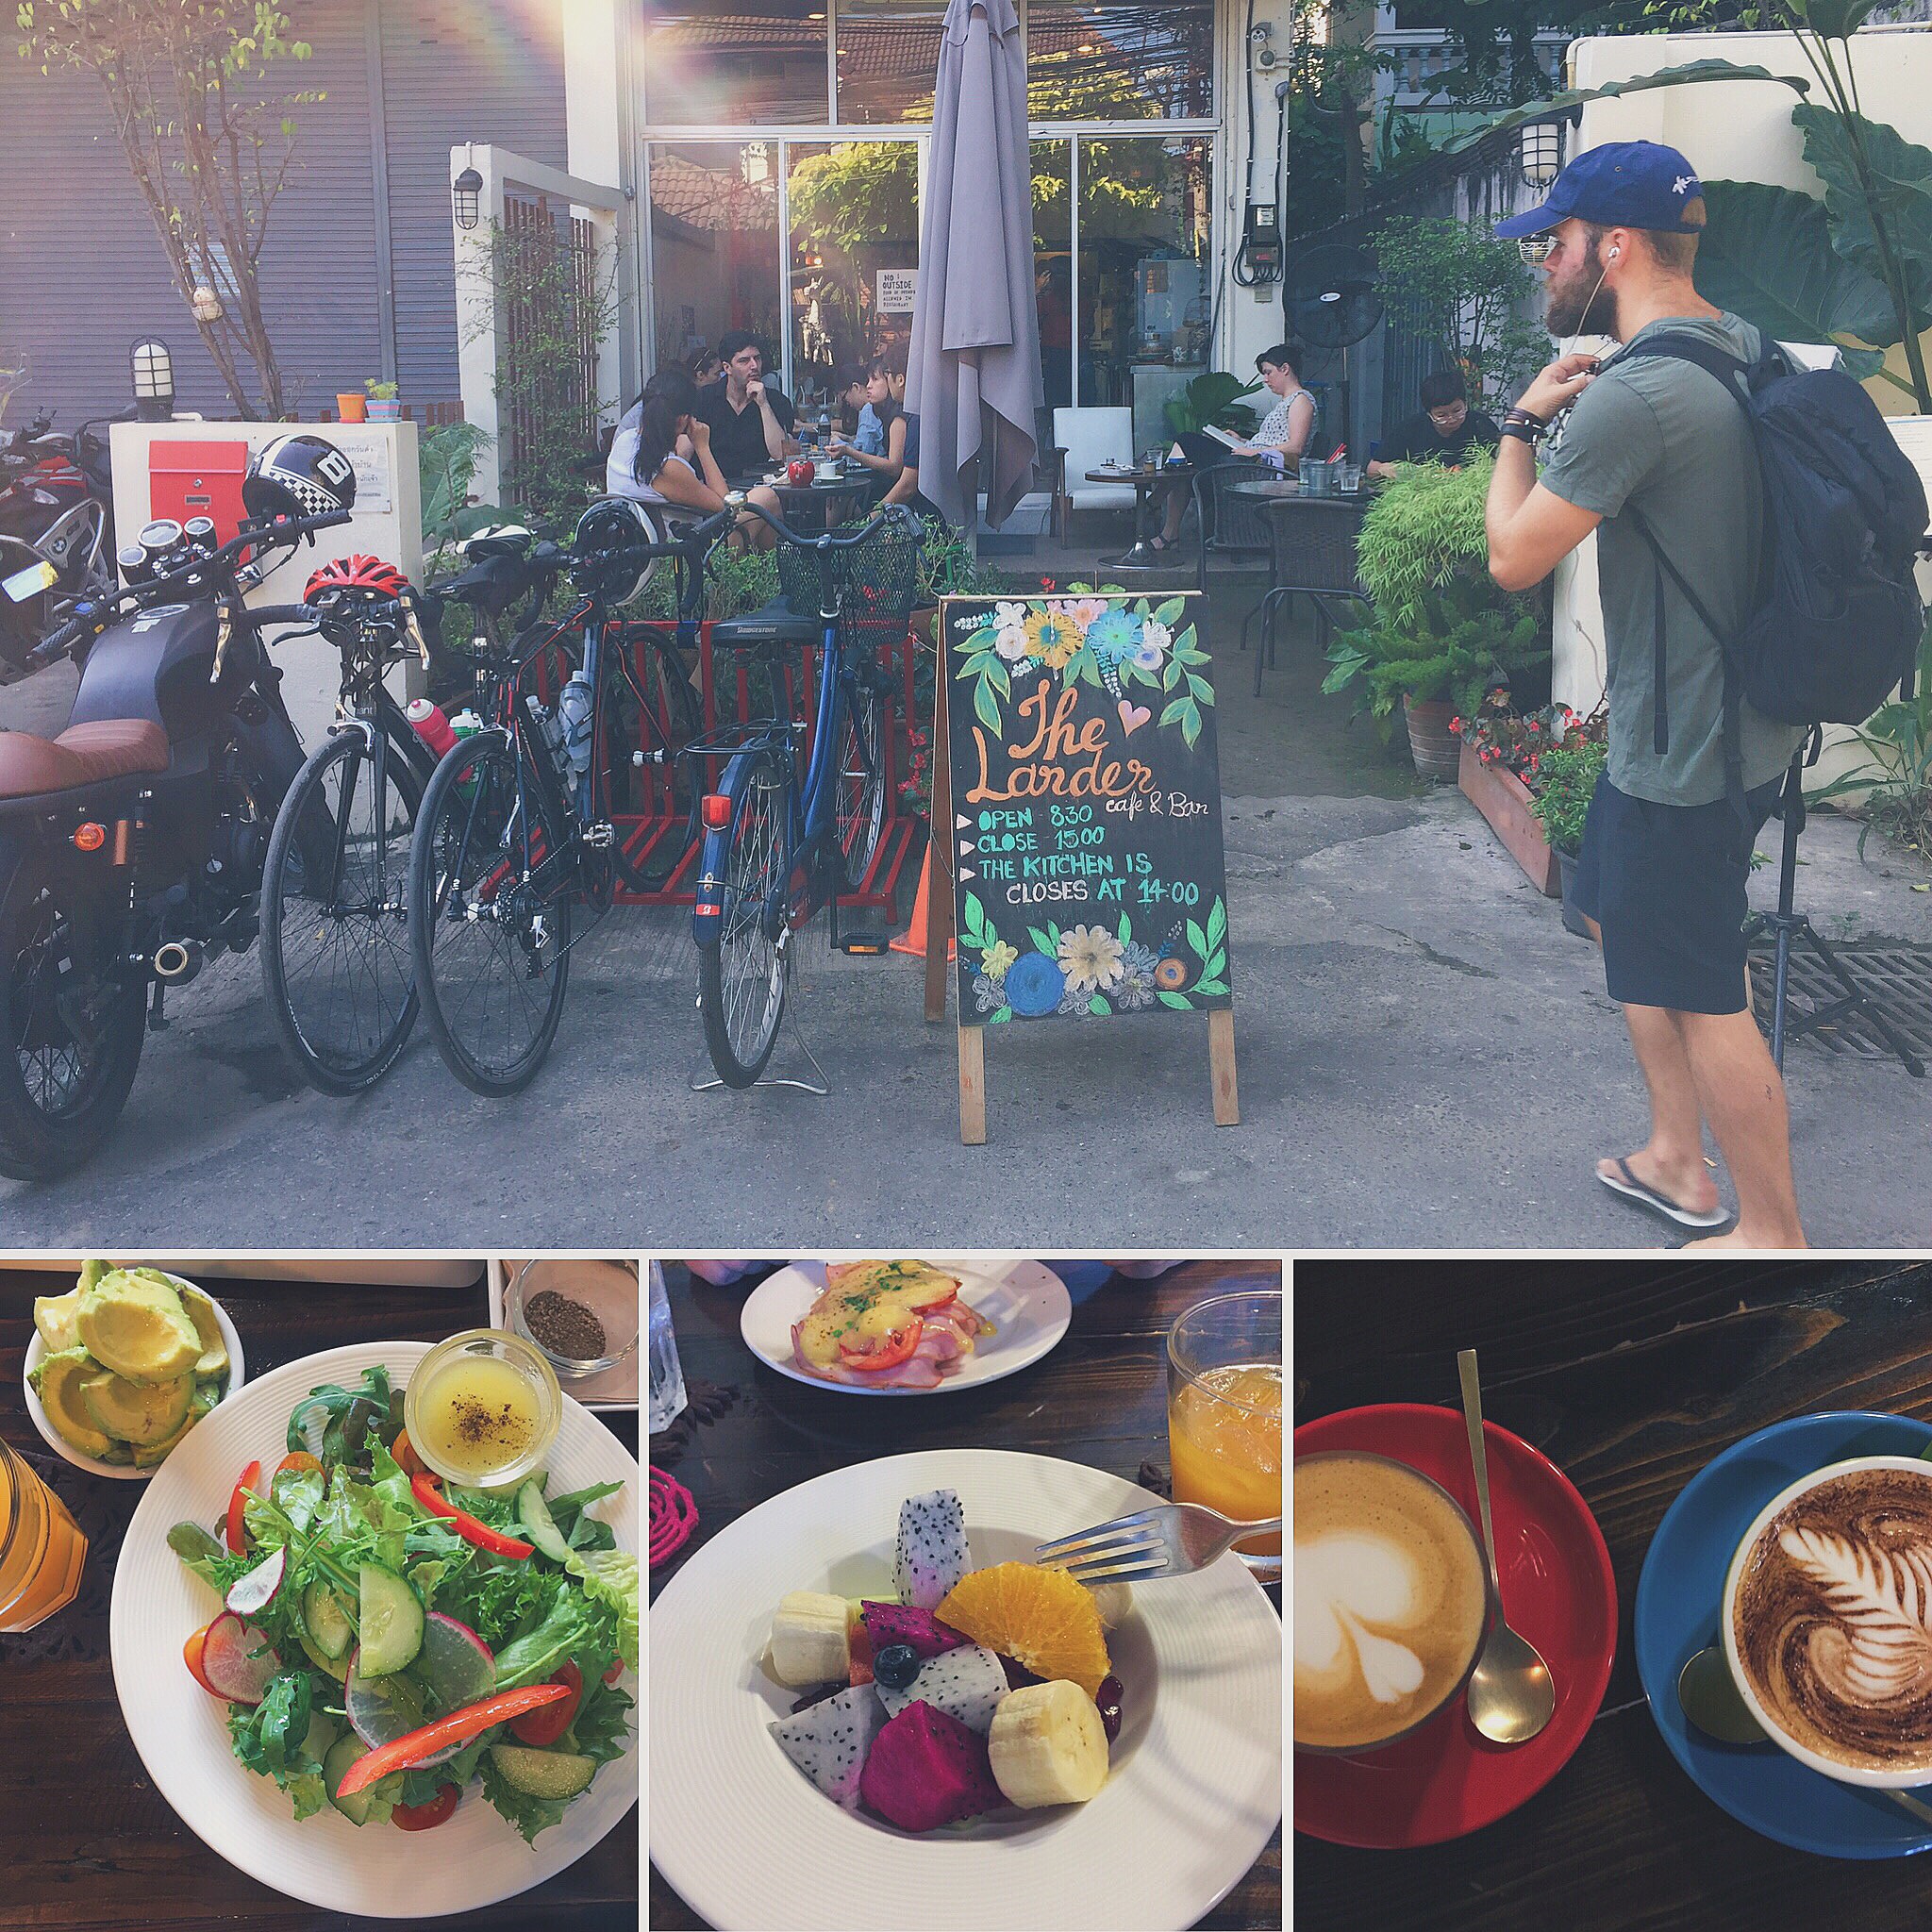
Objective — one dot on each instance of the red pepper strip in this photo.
(457, 1728)
(466, 1526)
(238, 1528)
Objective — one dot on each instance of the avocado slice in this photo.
(142, 1413)
(57, 1317)
(201, 1311)
(135, 1326)
(91, 1272)
(147, 1455)
(57, 1381)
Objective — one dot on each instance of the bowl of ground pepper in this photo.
(583, 1315)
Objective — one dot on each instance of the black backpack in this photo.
(1837, 620)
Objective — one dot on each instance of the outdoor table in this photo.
(84, 1835)
(1099, 1397)
(812, 506)
(1141, 553)
(1630, 1377)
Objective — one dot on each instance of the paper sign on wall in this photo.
(897, 287)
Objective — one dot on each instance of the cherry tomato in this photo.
(428, 1815)
(301, 1460)
(190, 1655)
(238, 1528)
(615, 1671)
(897, 1347)
(549, 1722)
(405, 1453)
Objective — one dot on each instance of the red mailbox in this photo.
(197, 479)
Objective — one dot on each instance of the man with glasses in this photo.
(1654, 443)
(1445, 431)
(750, 420)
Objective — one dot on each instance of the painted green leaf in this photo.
(1216, 963)
(1167, 613)
(1041, 943)
(996, 676)
(1054, 934)
(1140, 607)
(1178, 709)
(1210, 986)
(1201, 688)
(1217, 923)
(986, 708)
(1098, 1006)
(1178, 1001)
(1191, 727)
(975, 914)
(1185, 639)
(1197, 939)
(995, 1019)
(1170, 673)
(1124, 931)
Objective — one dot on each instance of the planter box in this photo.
(1503, 798)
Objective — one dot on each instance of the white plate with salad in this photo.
(373, 1643)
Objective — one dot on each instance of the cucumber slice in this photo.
(389, 1621)
(539, 1525)
(345, 1752)
(336, 1667)
(327, 1621)
(544, 1773)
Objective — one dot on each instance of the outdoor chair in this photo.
(1231, 525)
(1311, 554)
(1083, 440)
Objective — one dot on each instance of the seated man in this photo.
(1445, 431)
(750, 420)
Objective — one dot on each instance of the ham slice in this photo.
(948, 1334)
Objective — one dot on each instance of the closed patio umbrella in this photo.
(973, 377)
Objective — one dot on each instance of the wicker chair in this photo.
(1231, 525)
(1311, 554)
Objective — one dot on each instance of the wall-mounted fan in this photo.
(1330, 296)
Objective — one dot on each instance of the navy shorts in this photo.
(1666, 884)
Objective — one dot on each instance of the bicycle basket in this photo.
(880, 580)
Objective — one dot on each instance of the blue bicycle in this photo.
(778, 840)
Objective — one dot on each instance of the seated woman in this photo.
(898, 466)
(661, 455)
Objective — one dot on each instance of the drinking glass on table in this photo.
(667, 1372)
(1224, 1415)
(42, 1551)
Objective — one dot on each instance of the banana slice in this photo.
(1048, 1745)
(810, 1643)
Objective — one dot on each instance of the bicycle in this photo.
(516, 826)
(778, 841)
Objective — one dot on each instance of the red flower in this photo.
(1047, 583)
(1456, 726)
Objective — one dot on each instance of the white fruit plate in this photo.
(1025, 1301)
(1193, 1793)
(476, 1858)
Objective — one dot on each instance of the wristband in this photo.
(1520, 432)
(1526, 417)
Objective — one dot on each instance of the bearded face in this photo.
(1577, 304)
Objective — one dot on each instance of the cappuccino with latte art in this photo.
(1390, 1600)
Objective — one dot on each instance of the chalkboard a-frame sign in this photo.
(1085, 819)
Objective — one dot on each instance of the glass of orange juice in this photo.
(1224, 1415)
(41, 1552)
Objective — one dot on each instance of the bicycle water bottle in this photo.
(428, 722)
(552, 732)
(574, 708)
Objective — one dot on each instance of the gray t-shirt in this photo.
(1661, 433)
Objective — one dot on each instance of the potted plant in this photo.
(1566, 778)
(1213, 401)
(1502, 753)
(351, 406)
(383, 405)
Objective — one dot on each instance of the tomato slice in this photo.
(938, 1301)
(896, 1348)
(615, 1671)
(300, 1460)
(429, 1814)
(238, 1528)
(549, 1722)
(190, 1655)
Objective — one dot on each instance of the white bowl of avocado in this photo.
(125, 1364)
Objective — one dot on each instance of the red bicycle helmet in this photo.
(369, 574)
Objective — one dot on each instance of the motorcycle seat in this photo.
(82, 755)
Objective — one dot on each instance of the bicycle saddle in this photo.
(493, 582)
(501, 539)
(777, 625)
(82, 755)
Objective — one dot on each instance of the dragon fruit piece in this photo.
(926, 1769)
(901, 1624)
(830, 1741)
(930, 1557)
(965, 1684)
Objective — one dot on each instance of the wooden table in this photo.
(1099, 1398)
(1630, 1377)
(85, 1838)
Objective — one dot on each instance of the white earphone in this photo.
(1613, 254)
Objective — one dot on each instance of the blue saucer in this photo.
(1678, 1596)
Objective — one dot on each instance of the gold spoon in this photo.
(1511, 1696)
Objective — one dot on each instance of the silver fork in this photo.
(1173, 1540)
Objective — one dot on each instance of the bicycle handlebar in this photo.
(700, 535)
(828, 540)
(397, 610)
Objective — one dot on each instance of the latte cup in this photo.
(1842, 1565)
(1377, 1636)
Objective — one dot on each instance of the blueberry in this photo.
(1108, 1699)
(896, 1666)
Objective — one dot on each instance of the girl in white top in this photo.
(661, 455)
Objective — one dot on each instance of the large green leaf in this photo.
(1902, 190)
(1572, 98)
(1837, 20)
(1767, 255)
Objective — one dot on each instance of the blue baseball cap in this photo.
(1623, 183)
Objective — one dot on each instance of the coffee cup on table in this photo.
(1392, 1601)
(1828, 1620)
(828, 468)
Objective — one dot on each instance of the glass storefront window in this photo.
(1097, 61)
(715, 262)
(855, 244)
(889, 51)
(734, 62)
(1053, 274)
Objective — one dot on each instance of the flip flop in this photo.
(1634, 1189)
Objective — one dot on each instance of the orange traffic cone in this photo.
(912, 940)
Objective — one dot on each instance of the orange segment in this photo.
(1040, 1617)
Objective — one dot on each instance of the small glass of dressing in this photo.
(482, 1409)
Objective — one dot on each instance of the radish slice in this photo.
(456, 1663)
(382, 1709)
(256, 1590)
(238, 1659)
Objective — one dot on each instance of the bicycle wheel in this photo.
(650, 708)
(492, 960)
(743, 973)
(335, 937)
(861, 803)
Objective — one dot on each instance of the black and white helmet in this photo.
(608, 535)
(298, 475)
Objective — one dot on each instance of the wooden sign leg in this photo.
(938, 858)
(972, 1086)
(1227, 1100)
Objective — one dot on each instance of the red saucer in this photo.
(1560, 1593)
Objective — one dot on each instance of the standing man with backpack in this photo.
(1654, 444)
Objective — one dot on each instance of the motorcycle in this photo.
(56, 532)
(132, 845)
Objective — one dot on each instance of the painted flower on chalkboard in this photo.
(999, 960)
(988, 994)
(1014, 646)
(1155, 638)
(1172, 974)
(1091, 958)
(1052, 638)
(1113, 638)
(1033, 985)
(1084, 610)
(1135, 987)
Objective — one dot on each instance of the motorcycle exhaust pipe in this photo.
(176, 962)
